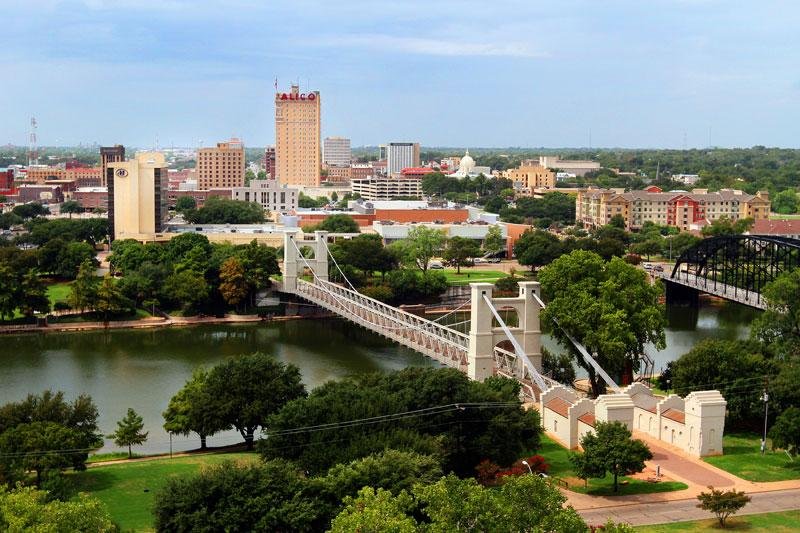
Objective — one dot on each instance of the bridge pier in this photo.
(294, 265)
(484, 337)
(680, 295)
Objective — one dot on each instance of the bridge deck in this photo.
(729, 292)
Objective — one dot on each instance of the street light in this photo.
(529, 466)
(765, 399)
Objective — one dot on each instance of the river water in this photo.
(144, 368)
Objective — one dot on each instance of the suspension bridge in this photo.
(489, 347)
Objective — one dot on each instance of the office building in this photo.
(336, 152)
(387, 188)
(529, 177)
(574, 166)
(400, 156)
(222, 166)
(109, 154)
(338, 174)
(270, 194)
(298, 155)
(137, 196)
(269, 161)
(681, 209)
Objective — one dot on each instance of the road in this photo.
(683, 510)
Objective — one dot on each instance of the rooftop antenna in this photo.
(33, 149)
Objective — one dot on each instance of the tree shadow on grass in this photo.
(92, 480)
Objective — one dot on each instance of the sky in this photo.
(527, 73)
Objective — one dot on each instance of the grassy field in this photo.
(742, 457)
(557, 457)
(58, 292)
(129, 489)
(781, 522)
(778, 216)
(469, 275)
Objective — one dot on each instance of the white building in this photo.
(379, 188)
(686, 179)
(468, 169)
(336, 151)
(392, 232)
(571, 166)
(272, 196)
(400, 156)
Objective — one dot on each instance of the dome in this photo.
(467, 164)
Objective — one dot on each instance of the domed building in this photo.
(468, 169)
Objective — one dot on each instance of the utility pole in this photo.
(765, 399)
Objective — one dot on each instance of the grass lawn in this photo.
(774, 522)
(472, 276)
(557, 457)
(58, 292)
(129, 489)
(778, 216)
(742, 457)
(110, 456)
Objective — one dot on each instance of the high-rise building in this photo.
(269, 161)
(110, 154)
(298, 155)
(400, 156)
(137, 196)
(221, 166)
(336, 152)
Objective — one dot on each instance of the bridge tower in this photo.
(484, 336)
(293, 264)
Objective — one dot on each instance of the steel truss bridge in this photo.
(491, 347)
(734, 267)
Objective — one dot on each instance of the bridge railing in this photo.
(444, 344)
(509, 365)
(723, 290)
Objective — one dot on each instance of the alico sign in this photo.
(298, 96)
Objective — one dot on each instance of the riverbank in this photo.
(150, 322)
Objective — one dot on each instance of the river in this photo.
(143, 368)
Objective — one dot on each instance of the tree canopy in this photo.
(779, 325)
(609, 307)
(610, 449)
(217, 210)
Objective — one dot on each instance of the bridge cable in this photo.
(583, 351)
(517, 348)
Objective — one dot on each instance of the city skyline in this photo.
(670, 74)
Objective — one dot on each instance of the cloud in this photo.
(435, 47)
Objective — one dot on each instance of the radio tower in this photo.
(33, 150)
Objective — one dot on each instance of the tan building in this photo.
(337, 174)
(221, 166)
(684, 210)
(387, 188)
(86, 177)
(572, 166)
(110, 154)
(532, 177)
(298, 157)
(137, 196)
(42, 173)
(270, 194)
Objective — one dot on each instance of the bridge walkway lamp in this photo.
(530, 471)
(765, 399)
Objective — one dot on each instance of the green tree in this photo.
(494, 242)
(376, 511)
(274, 496)
(192, 410)
(187, 289)
(83, 291)
(785, 202)
(28, 509)
(609, 307)
(249, 388)
(233, 282)
(70, 258)
(218, 210)
(651, 246)
(675, 245)
(70, 207)
(460, 250)
(727, 226)
(558, 366)
(9, 292)
(618, 221)
(44, 433)
(779, 325)
(365, 252)
(185, 203)
(129, 431)
(421, 245)
(32, 295)
(109, 298)
(722, 504)
(727, 366)
(610, 449)
(536, 248)
(338, 224)
(785, 434)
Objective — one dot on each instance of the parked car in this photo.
(479, 260)
(436, 265)
(492, 259)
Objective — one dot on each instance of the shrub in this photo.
(382, 293)
(507, 284)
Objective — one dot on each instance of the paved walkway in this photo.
(684, 510)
